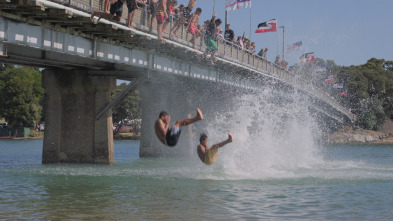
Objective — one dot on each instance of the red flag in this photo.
(329, 79)
(345, 93)
(269, 26)
(307, 57)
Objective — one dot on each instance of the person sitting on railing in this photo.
(152, 9)
(183, 18)
(253, 47)
(284, 64)
(192, 26)
(260, 53)
(211, 38)
(229, 35)
(239, 41)
(277, 61)
(171, 13)
(112, 11)
(178, 11)
(265, 52)
(219, 33)
(160, 16)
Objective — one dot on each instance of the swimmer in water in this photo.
(208, 155)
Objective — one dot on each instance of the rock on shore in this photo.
(358, 135)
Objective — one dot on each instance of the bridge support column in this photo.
(72, 134)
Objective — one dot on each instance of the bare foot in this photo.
(230, 138)
(199, 114)
(92, 15)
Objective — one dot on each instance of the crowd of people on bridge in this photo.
(165, 11)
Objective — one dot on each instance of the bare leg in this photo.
(130, 18)
(159, 32)
(165, 26)
(107, 5)
(193, 40)
(185, 122)
(152, 20)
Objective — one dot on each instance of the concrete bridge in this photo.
(82, 61)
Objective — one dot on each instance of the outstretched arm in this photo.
(213, 18)
(227, 141)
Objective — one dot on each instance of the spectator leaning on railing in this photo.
(229, 35)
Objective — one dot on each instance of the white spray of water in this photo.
(270, 139)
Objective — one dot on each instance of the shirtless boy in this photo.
(161, 15)
(192, 25)
(183, 18)
(170, 136)
(208, 155)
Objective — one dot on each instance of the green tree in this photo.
(21, 91)
(129, 112)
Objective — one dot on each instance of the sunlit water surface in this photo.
(339, 183)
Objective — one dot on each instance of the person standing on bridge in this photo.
(208, 155)
(161, 15)
(192, 26)
(170, 136)
(183, 17)
(211, 38)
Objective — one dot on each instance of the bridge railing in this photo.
(226, 50)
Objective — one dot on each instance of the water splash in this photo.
(271, 139)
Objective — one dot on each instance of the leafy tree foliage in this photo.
(369, 87)
(21, 91)
(129, 112)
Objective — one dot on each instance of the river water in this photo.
(338, 183)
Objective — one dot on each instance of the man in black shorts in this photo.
(132, 6)
(170, 136)
(116, 10)
(153, 7)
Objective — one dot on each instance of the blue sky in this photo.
(347, 31)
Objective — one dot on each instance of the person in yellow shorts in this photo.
(207, 154)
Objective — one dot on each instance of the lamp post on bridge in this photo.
(283, 31)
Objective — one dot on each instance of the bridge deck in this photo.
(72, 33)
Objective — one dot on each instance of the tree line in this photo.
(369, 87)
(369, 92)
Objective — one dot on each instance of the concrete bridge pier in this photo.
(178, 103)
(72, 134)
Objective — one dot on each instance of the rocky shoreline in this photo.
(347, 135)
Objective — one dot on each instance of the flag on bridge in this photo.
(338, 85)
(345, 93)
(321, 68)
(307, 57)
(295, 46)
(269, 26)
(328, 79)
(232, 5)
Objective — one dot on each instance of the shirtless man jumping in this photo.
(207, 154)
(170, 136)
